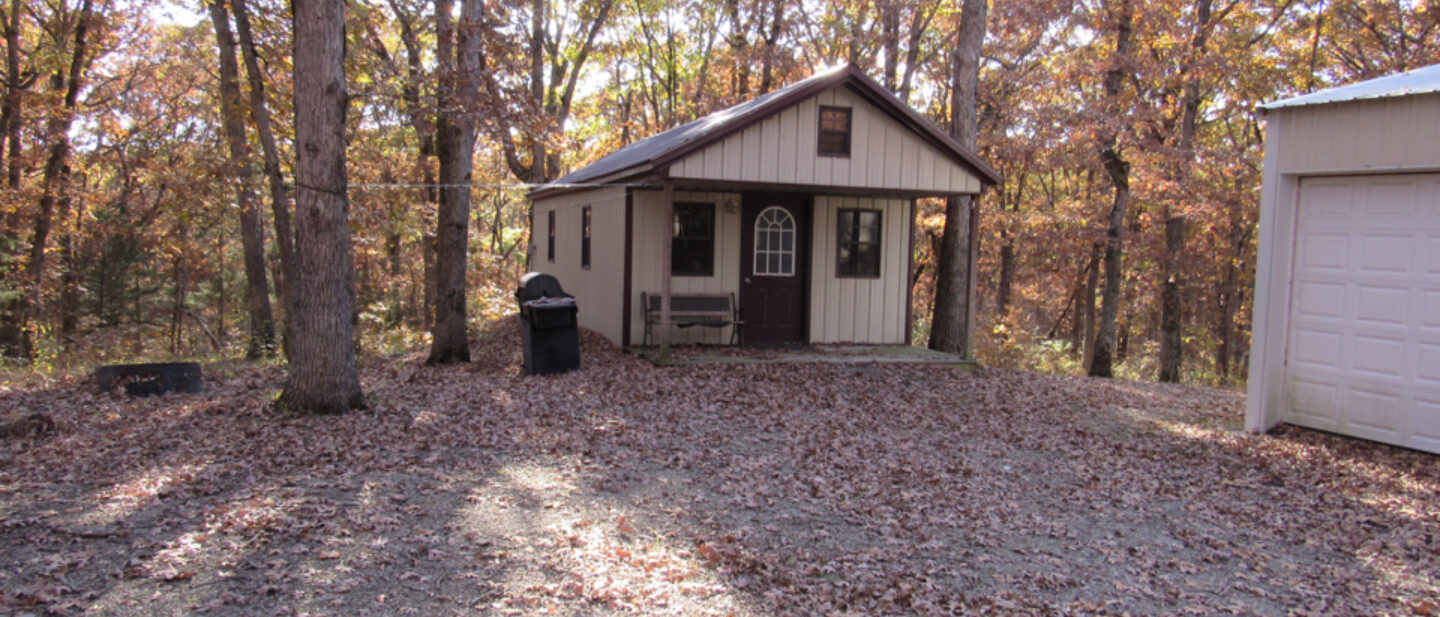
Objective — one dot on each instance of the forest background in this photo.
(130, 201)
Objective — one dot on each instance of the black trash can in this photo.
(549, 331)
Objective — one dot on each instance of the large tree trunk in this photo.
(890, 42)
(323, 377)
(459, 52)
(1170, 310)
(279, 196)
(252, 225)
(1102, 360)
(14, 86)
(953, 320)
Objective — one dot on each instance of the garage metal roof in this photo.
(1419, 81)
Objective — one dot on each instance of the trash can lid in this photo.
(539, 285)
(548, 302)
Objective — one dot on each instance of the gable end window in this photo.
(550, 241)
(692, 245)
(858, 247)
(834, 139)
(585, 237)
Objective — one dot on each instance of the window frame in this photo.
(793, 252)
(820, 131)
(550, 240)
(586, 218)
(855, 243)
(710, 262)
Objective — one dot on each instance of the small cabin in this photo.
(799, 205)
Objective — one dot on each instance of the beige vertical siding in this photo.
(1391, 133)
(649, 238)
(599, 290)
(860, 310)
(781, 149)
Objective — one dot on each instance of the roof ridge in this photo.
(667, 146)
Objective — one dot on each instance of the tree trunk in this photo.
(1170, 313)
(427, 248)
(1171, 310)
(1228, 300)
(70, 276)
(1007, 274)
(1092, 280)
(953, 320)
(459, 52)
(252, 225)
(890, 43)
(1103, 359)
(13, 118)
(323, 377)
(1077, 317)
(15, 330)
(418, 117)
(279, 196)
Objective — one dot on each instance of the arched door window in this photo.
(775, 242)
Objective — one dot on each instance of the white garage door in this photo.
(1363, 354)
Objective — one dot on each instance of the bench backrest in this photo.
(718, 304)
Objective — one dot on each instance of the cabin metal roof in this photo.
(657, 151)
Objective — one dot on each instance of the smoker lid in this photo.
(539, 285)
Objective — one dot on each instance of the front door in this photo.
(774, 238)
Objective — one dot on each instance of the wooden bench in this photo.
(692, 310)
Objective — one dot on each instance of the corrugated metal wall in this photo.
(599, 290)
(860, 310)
(782, 149)
(650, 236)
(1382, 134)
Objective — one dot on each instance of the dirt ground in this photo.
(703, 490)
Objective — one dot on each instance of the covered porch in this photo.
(803, 265)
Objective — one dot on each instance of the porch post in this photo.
(667, 233)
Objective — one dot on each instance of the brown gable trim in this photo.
(742, 122)
(911, 119)
(869, 90)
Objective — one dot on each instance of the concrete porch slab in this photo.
(691, 355)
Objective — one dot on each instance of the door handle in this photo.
(747, 280)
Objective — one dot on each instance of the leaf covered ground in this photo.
(713, 490)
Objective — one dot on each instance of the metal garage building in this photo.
(1347, 299)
